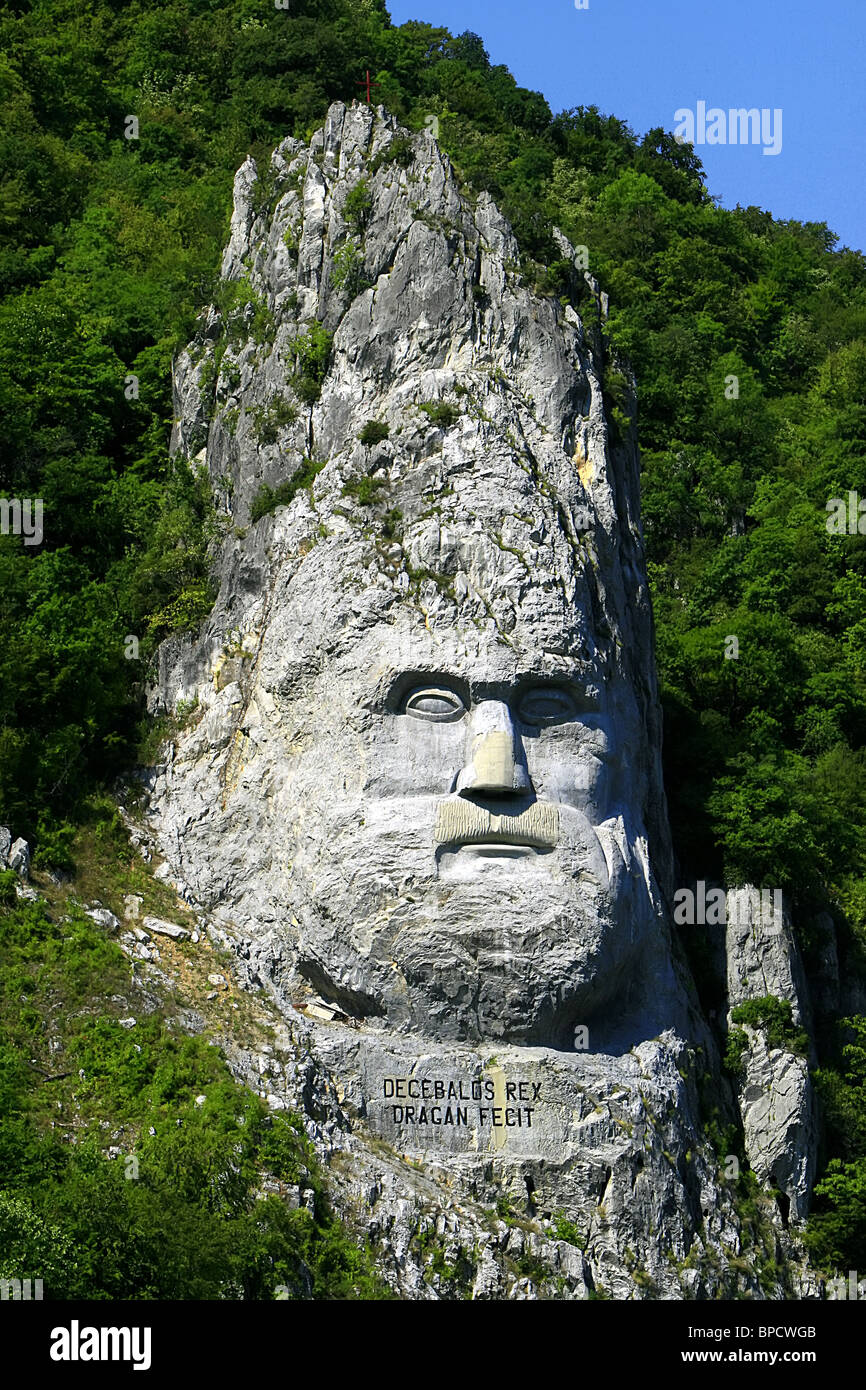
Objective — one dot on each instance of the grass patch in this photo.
(267, 499)
(374, 432)
(775, 1017)
(180, 1211)
(364, 490)
(440, 413)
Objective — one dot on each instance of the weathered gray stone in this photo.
(421, 799)
(775, 1093)
(777, 1105)
(132, 905)
(5, 845)
(533, 549)
(161, 928)
(18, 859)
(103, 917)
(761, 952)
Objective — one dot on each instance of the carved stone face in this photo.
(421, 787)
(459, 813)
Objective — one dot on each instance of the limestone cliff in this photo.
(418, 787)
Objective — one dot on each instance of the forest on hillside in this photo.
(747, 339)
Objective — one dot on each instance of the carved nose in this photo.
(496, 760)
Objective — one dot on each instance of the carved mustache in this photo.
(464, 822)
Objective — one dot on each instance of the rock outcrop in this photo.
(14, 854)
(417, 785)
(775, 1093)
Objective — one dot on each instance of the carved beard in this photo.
(520, 949)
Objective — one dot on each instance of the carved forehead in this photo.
(347, 584)
(441, 599)
(378, 638)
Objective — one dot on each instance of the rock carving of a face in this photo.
(465, 852)
(434, 784)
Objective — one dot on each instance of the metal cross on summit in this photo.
(361, 83)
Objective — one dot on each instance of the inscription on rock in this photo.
(420, 1104)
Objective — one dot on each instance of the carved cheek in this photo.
(411, 757)
(564, 771)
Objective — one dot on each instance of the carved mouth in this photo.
(495, 849)
(462, 822)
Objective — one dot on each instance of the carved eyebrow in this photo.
(585, 694)
(552, 680)
(401, 682)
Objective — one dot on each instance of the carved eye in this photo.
(546, 705)
(433, 702)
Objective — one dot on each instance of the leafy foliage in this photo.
(267, 499)
(736, 1046)
(774, 1016)
(312, 349)
(440, 413)
(374, 432)
(837, 1230)
(270, 419)
(358, 205)
(348, 270)
(180, 1212)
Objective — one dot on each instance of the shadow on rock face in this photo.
(352, 1002)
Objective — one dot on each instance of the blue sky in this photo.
(642, 61)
